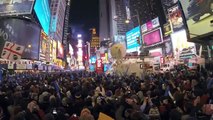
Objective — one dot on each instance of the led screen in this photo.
(60, 50)
(42, 11)
(152, 37)
(132, 37)
(93, 59)
(180, 44)
(156, 52)
(15, 7)
(21, 32)
(198, 14)
(175, 16)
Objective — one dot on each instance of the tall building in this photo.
(66, 26)
(147, 10)
(58, 8)
(112, 20)
(104, 30)
(118, 27)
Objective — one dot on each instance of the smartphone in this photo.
(54, 111)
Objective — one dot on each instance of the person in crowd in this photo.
(178, 95)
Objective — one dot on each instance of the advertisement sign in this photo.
(198, 14)
(16, 7)
(54, 51)
(10, 66)
(152, 37)
(43, 46)
(168, 2)
(60, 50)
(167, 29)
(168, 48)
(99, 66)
(175, 16)
(29, 66)
(71, 52)
(132, 39)
(93, 59)
(21, 66)
(150, 25)
(180, 44)
(23, 33)
(157, 52)
(42, 11)
(53, 23)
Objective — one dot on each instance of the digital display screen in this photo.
(198, 14)
(42, 11)
(175, 16)
(132, 39)
(60, 50)
(93, 59)
(152, 37)
(16, 7)
(23, 33)
(156, 52)
(180, 43)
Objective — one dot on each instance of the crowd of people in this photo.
(177, 95)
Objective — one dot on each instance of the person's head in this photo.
(86, 114)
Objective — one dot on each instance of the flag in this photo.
(12, 51)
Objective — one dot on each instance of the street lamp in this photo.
(127, 21)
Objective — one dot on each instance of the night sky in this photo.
(83, 16)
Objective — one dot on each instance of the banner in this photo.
(150, 25)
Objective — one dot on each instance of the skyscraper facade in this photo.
(58, 8)
(112, 20)
(104, 29)
(147, 10)
(118, 27)
(66, 25)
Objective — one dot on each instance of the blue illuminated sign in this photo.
(53, 23)
(93, 59)
(131, 39)
(42, 11)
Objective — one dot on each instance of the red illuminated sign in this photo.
(99, 66)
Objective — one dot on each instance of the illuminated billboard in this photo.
(131, 37)
(42, 11)
(150, 25)
(23, 33)
(180, 44)
(175, 16)
(198, 14)
(54, 51)
(16, 7)
(60, 50)
(152, 37)
(157, 52)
